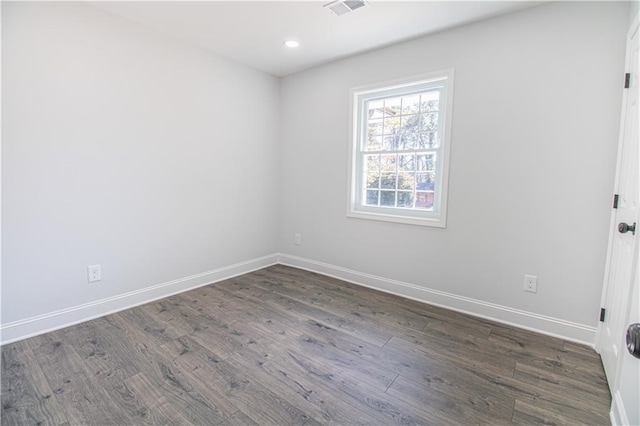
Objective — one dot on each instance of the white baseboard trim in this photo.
(29, 327)
(40, 324)
(528, 320)
(618, 414)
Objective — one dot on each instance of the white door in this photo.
(622, 261)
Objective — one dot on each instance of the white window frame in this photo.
(358, 98)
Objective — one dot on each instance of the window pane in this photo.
(391, 125)
(424, 200)
(410, 131)
(372, 162)
(390, 142)
(388, 181)
(411, 104)
(374, 128)
(388, 198)
(372, 198)
(428, 140)
(426, 162)
(429, 122)
(406, 162)
(411, 141)
(429, 101)
(425, 181)
(374, 143)
(392, 106)
(372, 171)
(388, 162)
(410, 122)
(373, 179)
(375, 109)
(405, 199)
(406, 181)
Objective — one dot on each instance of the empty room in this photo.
(304, 213)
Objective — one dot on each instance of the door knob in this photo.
(633, 339)
(623, 228)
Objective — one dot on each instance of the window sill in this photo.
(421, 221)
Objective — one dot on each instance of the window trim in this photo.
(358, 95)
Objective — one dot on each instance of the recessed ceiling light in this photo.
(292, 43)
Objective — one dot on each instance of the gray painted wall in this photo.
(537, 99)
(128, 149)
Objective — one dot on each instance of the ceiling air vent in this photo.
(340, 7)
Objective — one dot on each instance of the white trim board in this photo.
(522, 319)
(41, 324)
(29, 327)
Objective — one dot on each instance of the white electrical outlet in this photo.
(93, 273)
(297, 239)
(531, 283)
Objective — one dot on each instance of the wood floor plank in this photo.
(303, 311)
(308, 394)
(396, 303)
(239, 419)
(388, 408)
(206, 329)
(470, 331)
(181, 390)
(361, 308)
(552, 413)
(234, 306)
(583, 350)
(496, 391)
(462, 408)
(27, 397)
(135, 406)
(226, 380)
(409, 360)
(159, 407)
(453, 350)
(559, 360)
(84, 400)
(520, 338)
(355, 316)
(339, 362)
(283, 346)
(554, 387)
(104, 355)
(156, 331)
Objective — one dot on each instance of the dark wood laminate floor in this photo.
(283, 346)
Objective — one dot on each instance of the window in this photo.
(400, 150)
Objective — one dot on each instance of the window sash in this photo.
(440, 82)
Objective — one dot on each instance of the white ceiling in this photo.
(252, 33)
